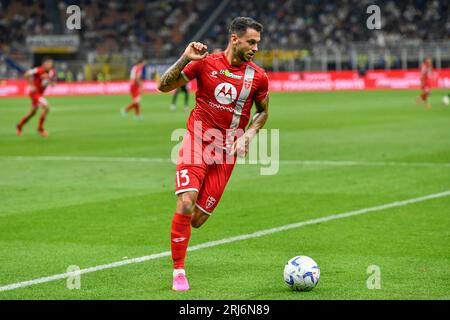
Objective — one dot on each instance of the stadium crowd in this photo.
(293, 24)
(19, 19)
(116, 30)
(114, 26)
(163, 26)
(108, 26)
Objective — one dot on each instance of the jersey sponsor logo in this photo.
(230, 74)
(176, 240)
(225, 93)
(220, 107)
(210, 202)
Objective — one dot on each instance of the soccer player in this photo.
(426, 72)
(38, 79)
(183, 89)
(228, 85)
(135, 90)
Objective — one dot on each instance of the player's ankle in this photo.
(178, 271)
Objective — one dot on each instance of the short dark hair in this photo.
(47, 58)
(240, 25)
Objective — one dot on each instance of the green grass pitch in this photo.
(57, 212)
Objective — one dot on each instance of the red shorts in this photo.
(426, 85)
(425, 88)
(135, 94)
(37, 99)
(205, 176)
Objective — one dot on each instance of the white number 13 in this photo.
(182, 174)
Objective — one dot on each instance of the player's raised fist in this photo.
(196, 51)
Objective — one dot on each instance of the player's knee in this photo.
(186, 207)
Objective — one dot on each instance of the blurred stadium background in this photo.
(313, 35)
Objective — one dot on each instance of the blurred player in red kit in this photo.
(39, 79)
(135, 89)
(228, 83)
(426, 73)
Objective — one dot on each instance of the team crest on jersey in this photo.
(210, 202)
(225, 93)
(247, 83)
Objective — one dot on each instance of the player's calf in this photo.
(198, 218)
(24, 120)
(41, 131)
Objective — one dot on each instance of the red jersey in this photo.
(135, 75)
(426, 73)
(41, 78)
(225, 93)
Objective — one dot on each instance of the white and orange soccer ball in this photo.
(301, 273)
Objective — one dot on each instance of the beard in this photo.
(242, 55)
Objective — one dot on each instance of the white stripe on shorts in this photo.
(185, 190)
(203, 210)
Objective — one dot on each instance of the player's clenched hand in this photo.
(32, 88)
(196, 51)
(241, 145)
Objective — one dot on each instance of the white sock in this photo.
(178, 271)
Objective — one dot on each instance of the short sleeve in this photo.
(263, 88)
(37, 70)
(192, 70)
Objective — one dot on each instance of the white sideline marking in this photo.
(227, 240)
(365, 163)
(285, 162)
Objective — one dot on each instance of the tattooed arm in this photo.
(172, 78)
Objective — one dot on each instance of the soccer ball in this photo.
(301, 273)
(446, 100)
